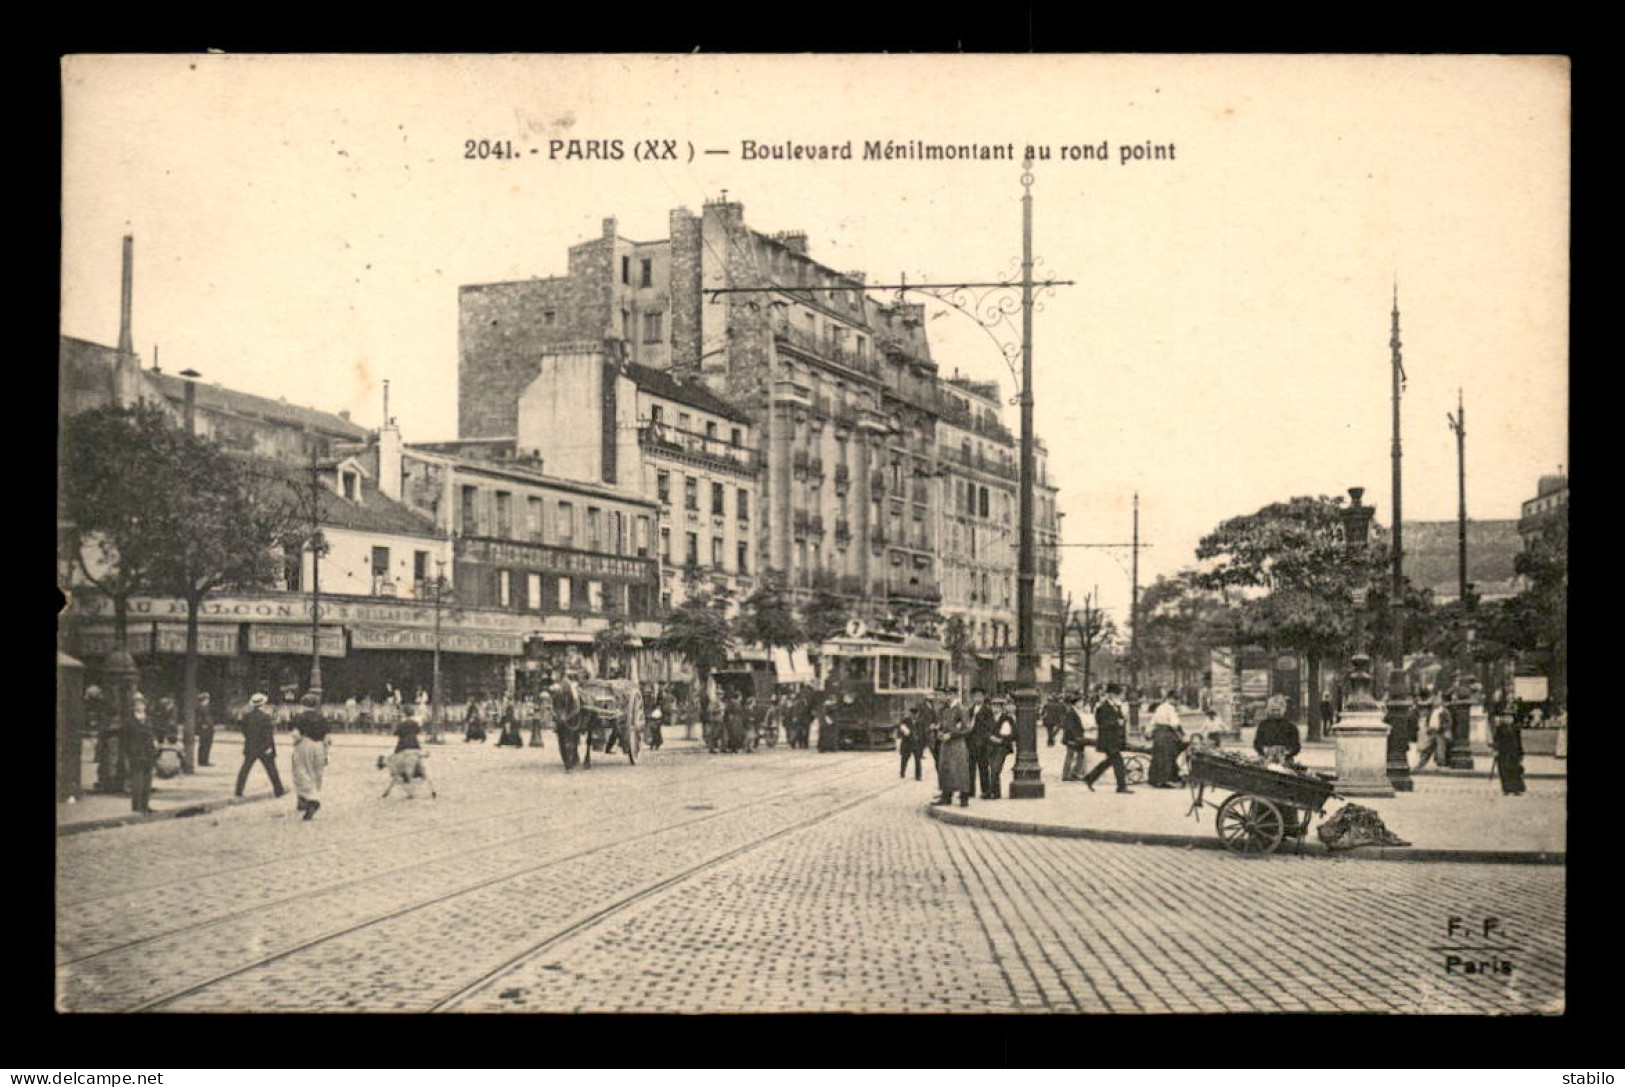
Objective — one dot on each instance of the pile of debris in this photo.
(1354, 826)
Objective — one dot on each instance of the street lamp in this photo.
(1361, 735)
(434, 693)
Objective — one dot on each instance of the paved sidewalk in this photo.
(211, 787)
(1451, 816)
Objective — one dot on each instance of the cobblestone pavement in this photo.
(781, 881)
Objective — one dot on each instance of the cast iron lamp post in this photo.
(1361, 736)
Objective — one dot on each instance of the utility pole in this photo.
(1025, 783)
(434, 689)
(1134, 624)
(1398, 716)
(1458, 423)
(316, 544)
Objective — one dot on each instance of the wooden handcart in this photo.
(1266, 806)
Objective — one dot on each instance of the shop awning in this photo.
(792, 666)
(488, 643)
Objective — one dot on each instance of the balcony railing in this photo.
(664, 436)
(1010, 471)
(825, 349)
(921, 589)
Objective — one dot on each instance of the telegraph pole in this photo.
(1134, 624)
(1458, 423)
(315, 576)
(1398, 716)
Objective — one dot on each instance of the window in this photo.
(692, 554)
(716, 552)
(564, 594)
(651, 327)
(547, 317)
(380, 571)
(665, 544)
(663, 487)
(566, 525)
(595, 540)
(655, 414)
(420, 570)
(743, 557)
(504, 589)
(735, 437)
(691, 494)
(710, 430)
(626, 270)
(642, 539)
(534, 519)
(983, 502)
(718, 505)
(293, 562)
(468, 518)
(533, 593)
(626, 324)
(648, 273)
(504, 517)
(742, 507)
(685, 421)
(595, 596)
(617, 532)
(349, 486)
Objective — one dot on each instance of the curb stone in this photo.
(1190, 841)
(200, 808)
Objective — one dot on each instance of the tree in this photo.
(611, 642)
(767, 618)
(1296, 576)
(698, 630)
(956, 639)
(1095, 631)
(219, 525)
(115, 482)
(1543, 609)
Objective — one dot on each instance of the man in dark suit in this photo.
(1054, 718)
(205, 728)
(984, 726)
(1111, 736)
(567, 722)
(259, 745)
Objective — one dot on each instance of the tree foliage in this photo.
(1290, 575)
(698, 630)
(766, 617)
(118, 473)
(825, 615)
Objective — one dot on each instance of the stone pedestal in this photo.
(1362, 753)
(1478, 732)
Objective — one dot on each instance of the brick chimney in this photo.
(126, 338)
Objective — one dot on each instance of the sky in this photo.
(302, 225)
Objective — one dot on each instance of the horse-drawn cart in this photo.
(1266, 806)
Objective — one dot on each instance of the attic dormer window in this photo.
(349, 486)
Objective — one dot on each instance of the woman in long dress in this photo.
(953, 762)
(1165, 745)
(310, 746)
(1509, 754)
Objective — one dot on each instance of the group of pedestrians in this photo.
(131, 749)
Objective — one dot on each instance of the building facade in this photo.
(839, 396)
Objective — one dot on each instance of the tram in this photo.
(871, 679)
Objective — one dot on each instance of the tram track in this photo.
(803, 788)
(190, 880)
(417, 861)
(492, 977)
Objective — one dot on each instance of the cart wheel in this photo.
(1250, 824)
(1136, 768)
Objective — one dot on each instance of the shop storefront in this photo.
(369, 647)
